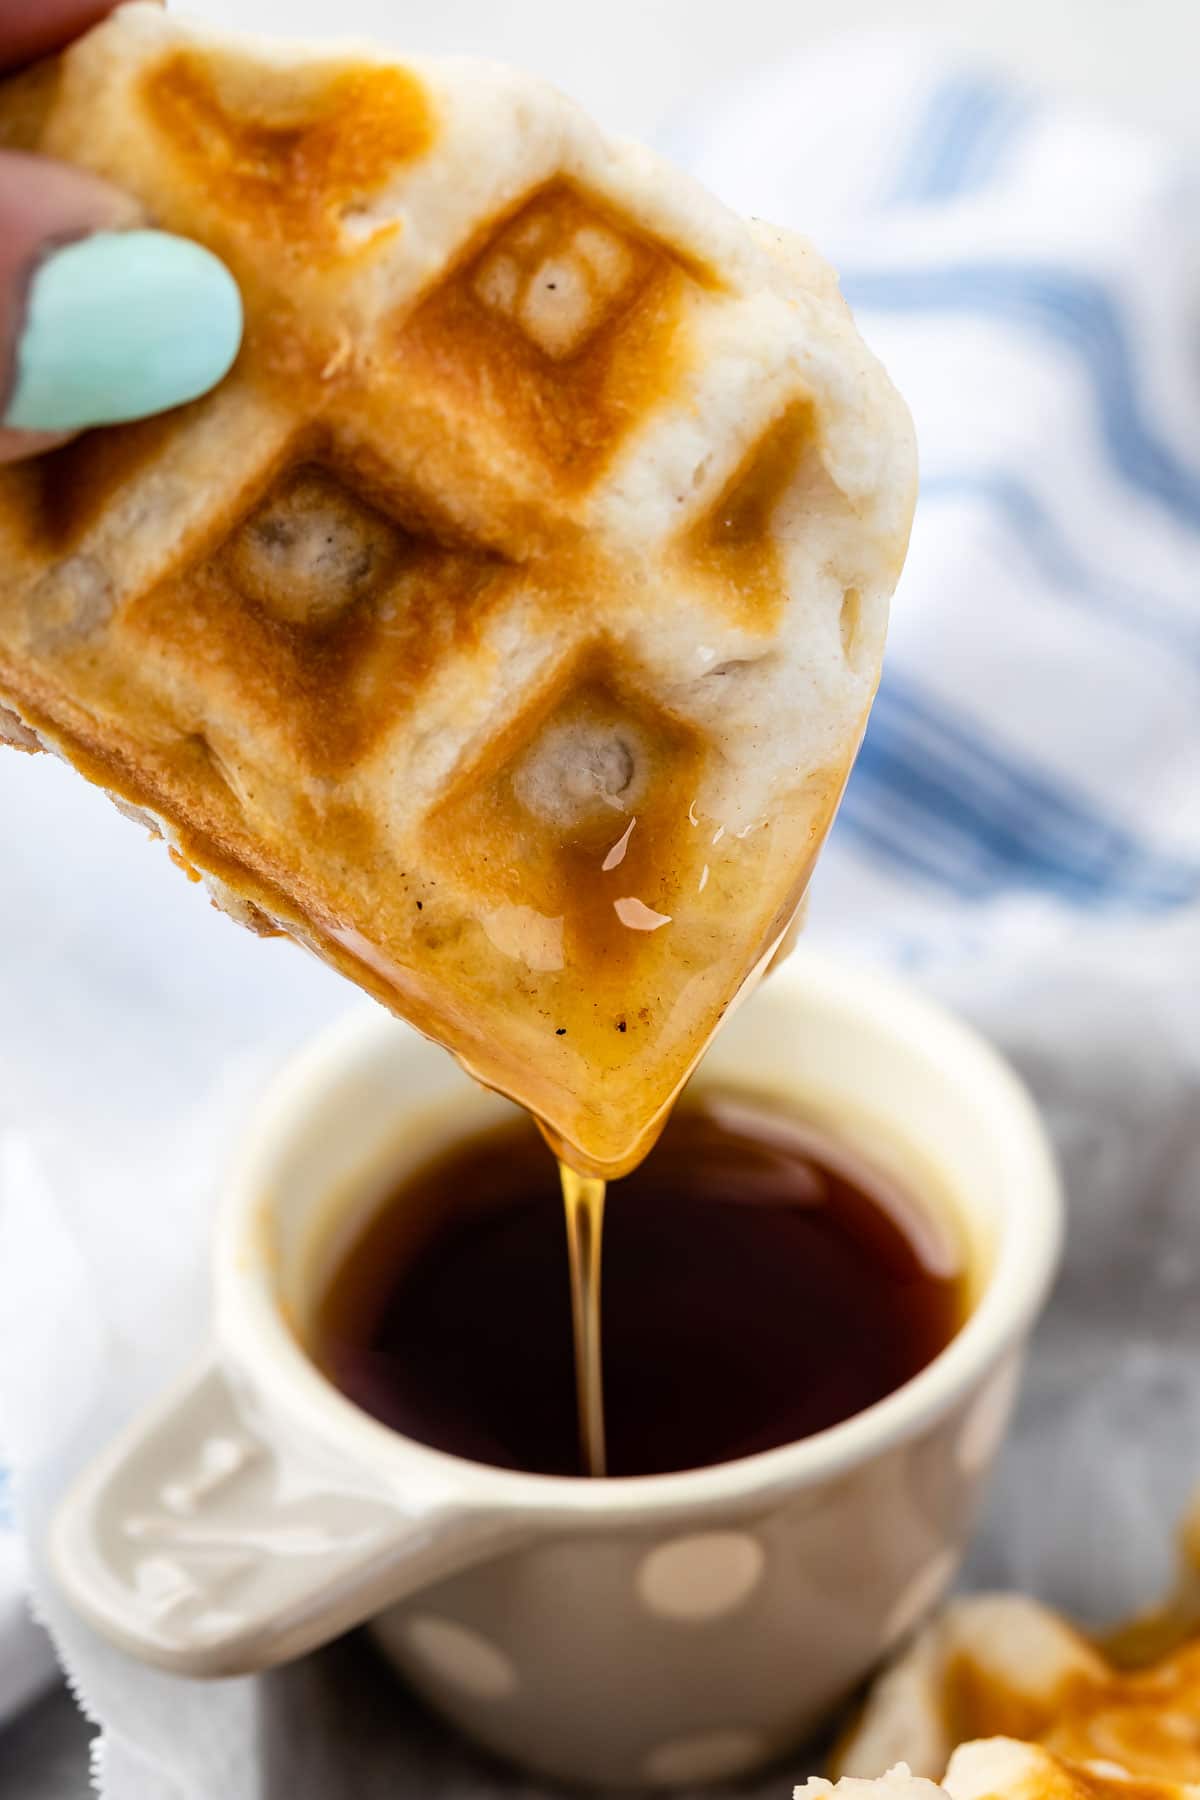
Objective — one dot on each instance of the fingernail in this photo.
(120, 325)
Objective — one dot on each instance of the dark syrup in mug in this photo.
(761, 1281)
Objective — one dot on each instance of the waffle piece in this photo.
(1003, 1665)
(1002, 1768)
(898, 1783)
(504, 626)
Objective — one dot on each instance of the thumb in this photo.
(99, 321)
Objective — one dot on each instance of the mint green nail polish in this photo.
(120, 325)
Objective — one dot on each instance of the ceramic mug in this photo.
(661, 1629)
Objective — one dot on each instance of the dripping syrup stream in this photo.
(583, 1203)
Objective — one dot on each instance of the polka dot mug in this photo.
(660, 1630)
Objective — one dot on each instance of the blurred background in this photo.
(1008, 188)
(633, 62)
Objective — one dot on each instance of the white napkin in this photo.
(1023, 830)
(27, 1663)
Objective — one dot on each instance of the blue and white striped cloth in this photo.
(1031, 277)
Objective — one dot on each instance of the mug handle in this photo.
(196, 1545)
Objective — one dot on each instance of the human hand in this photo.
(101, 319)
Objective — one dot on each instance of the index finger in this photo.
(31, 28)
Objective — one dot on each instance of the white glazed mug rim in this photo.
(253, 1333)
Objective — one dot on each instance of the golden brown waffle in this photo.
(504, 626)
(1003, 1768)
(1004, 1666)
